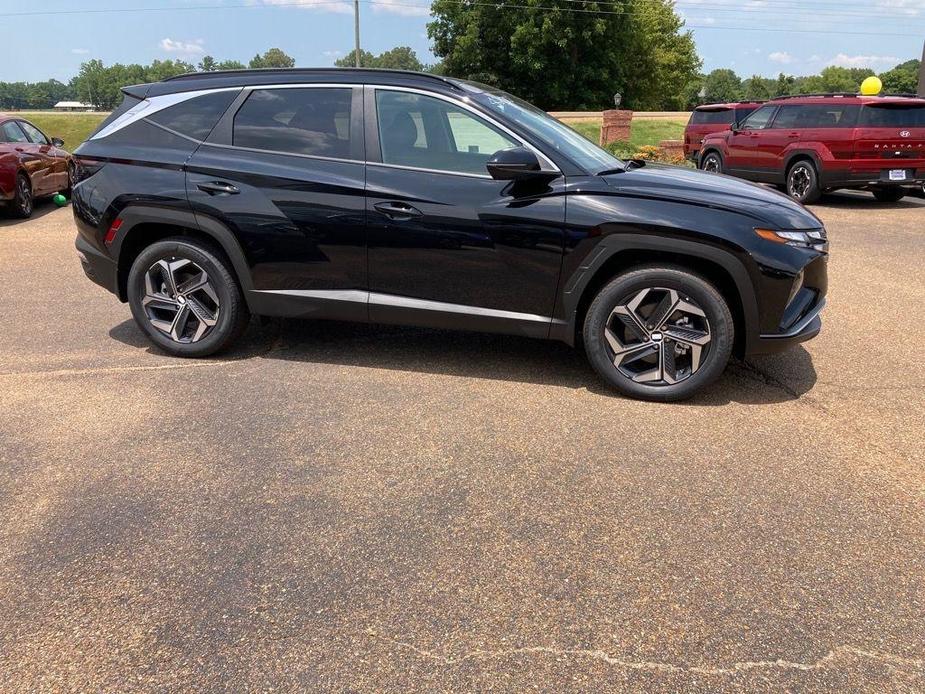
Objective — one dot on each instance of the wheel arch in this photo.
(719, 267)
(142, 226)
(802, 154)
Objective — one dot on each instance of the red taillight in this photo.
(113, 230)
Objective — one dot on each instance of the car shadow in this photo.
(864, 200)
(41, 208)
(763, 380)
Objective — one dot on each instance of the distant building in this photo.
(73, 106)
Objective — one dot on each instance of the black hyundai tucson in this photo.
(397, 197)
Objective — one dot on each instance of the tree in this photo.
(207, 64)
(399, 58)
(902, 79)
(785, 85)
(835, 79)
(560, 58)
(723, 86)
(272, 58)
(758, 88)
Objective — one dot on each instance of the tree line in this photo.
(539, 50)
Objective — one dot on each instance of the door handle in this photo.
(793, 136)
(398, 210)
(218, 188)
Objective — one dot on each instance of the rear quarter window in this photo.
(721, 117)
(889, 116)
(195, 117)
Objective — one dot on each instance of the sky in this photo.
(50, 38)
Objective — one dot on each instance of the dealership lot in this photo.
(373, 508)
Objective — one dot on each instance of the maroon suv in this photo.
(713, 118)
(817, 143)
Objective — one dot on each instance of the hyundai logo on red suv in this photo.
(904, 133)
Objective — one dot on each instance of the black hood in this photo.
(681, 184)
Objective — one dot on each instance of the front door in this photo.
(51, 179)
(284, 171)
(448, 245)
(747, 153)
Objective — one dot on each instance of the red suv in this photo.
(815, 143)
(713, 118)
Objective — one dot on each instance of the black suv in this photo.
(397, 197)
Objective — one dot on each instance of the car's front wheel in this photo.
(184, 296)
(22, 198)
(659, 333)
(712, 162)
(889, 194)
(803, 182)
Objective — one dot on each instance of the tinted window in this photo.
(34, 134)
(744, 111)
(12, 132)
(195, 117)
(724, 117)
(893, 116)
(428, 133)
(758, 120)
(816, 116)
(297, 121)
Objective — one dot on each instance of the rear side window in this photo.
(11, 132)
(195, 117)
(35, 135)
(723, 117)
(892, 116)
(816, 116)
(313, 121)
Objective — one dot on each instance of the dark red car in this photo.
(713, 118)
(31, 165)
(816, 143)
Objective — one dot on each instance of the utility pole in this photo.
(921, 91)
(356, 32)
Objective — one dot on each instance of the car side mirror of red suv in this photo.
(735, 127)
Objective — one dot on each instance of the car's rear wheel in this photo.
(184, 296)
(659, 333)
(22, 200)
(889, 194)
(803, 182)
(712, 162)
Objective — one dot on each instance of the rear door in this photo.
(284, 171)
(890, 141)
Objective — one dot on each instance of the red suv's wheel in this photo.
(712, 162)
(803, 182)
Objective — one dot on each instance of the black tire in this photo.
(689, 287)
(803, 182)
(889, 194)
(231, 314)
(70, 181)
(712, 161)
(23, 202)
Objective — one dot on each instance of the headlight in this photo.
(810, 238)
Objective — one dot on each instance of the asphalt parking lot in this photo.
(352, 508)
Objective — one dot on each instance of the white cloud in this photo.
(407, 8)
(338, 6)
(781, 57)
(183, 47)
(332, 54)
(709, 20)
(80, 51)
(843, 60)
(909, 8)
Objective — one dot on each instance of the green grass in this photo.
(73, 128)
(642, 132)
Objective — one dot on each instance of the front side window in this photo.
(743, 112)
(313, 121)
(428, 133)
(11, 132)
(34, 134)
(759, 119)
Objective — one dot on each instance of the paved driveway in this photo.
(338, 507)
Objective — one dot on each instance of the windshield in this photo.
(553, 134)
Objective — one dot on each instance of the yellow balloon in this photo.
(871, 86)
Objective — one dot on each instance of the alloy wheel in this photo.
(25, 196)
(180, 300)
(799, 182)
(658, 336)
(711, 163)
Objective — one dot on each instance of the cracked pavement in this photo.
(334, 507)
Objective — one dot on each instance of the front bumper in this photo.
(806, 328)
(98, 267)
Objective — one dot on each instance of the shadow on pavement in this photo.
(43, 206)
(763, 380)
(862, 200)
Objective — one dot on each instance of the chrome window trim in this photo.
(285, 154)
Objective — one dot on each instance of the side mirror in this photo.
(735, 127)
(514, 164)
(57, 142)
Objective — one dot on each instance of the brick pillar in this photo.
(616, 126)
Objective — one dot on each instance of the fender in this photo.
(134, 215)
(803, 151)
(574, 287)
